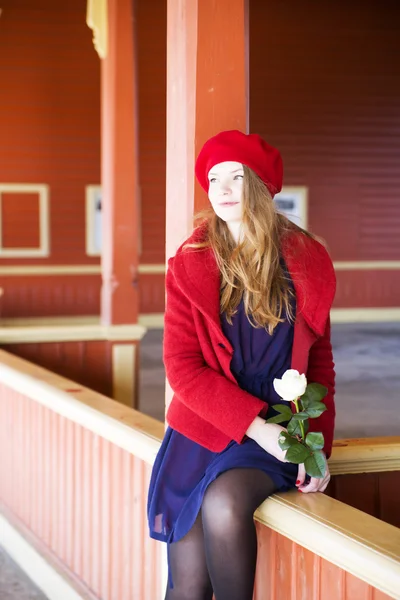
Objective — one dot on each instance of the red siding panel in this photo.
(324, 88)
(370, 492)
(151, 28)
(20, 226)
(81, 497)
(50, 114)
(287, 571)
(41, 296)
(87, 363)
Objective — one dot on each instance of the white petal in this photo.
(283, 390)
(290, 374)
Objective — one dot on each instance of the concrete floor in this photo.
(367, 358)
(14, 584)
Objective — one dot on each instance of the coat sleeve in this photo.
(203, 390)
(321, 370)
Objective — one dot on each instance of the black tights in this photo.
(219, 553)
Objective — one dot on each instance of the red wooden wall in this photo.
(50, 124)
(87, 363)
(50, 117)
(373, 493)
(151, 19)
(324, 88)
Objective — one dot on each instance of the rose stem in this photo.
(296, 403)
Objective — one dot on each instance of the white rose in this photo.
(291, 386)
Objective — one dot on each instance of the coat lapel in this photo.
(197, 275)
(314, 280)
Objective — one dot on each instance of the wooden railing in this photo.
(73, 479)
(74, 475)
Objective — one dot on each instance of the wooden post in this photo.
(207, 92)
(119, 172)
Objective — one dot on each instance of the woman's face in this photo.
(225, 190)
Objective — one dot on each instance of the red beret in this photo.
(249, 149)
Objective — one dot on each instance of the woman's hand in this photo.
(267, 435)
(315, 484)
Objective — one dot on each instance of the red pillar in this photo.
(119, 171)
(207, 91)
(119, 175)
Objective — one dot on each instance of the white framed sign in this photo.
(292, 202)
(93, 220)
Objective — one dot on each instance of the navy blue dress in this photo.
(183, 469)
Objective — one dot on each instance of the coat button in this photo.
(221, 345)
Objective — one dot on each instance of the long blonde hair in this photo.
(252, 269)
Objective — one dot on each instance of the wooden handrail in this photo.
(365, 455)
(125, 427)
(355, 541)
(349, 538)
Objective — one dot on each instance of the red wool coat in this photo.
(208, 406)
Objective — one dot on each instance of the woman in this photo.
(248, 297)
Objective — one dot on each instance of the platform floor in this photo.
(367, 358)
(14, 584)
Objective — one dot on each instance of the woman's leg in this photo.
(188, 567)
(229, 530)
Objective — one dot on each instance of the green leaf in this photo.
(316, 409)
(301, 416)
(294, 427)
(297, 453)
(315, 441)
(284, 410)
(277, 419)
(315, 465)
(315, 392)
(286, 441)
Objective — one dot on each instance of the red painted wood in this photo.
(372, 493)
(86, 363)
(389, 484)
(286, 571)
(49, 296)
(50, 114)
(324, 89)
(152, 104)
(20, 226)
(360, 491)
(72, 295)
(206, 92)
(367, 289)
(119, 169)
(80, 497)
(339, 143)
(152, 293)
(222, 95)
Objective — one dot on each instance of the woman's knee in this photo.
(233, 497)
(223, 509)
